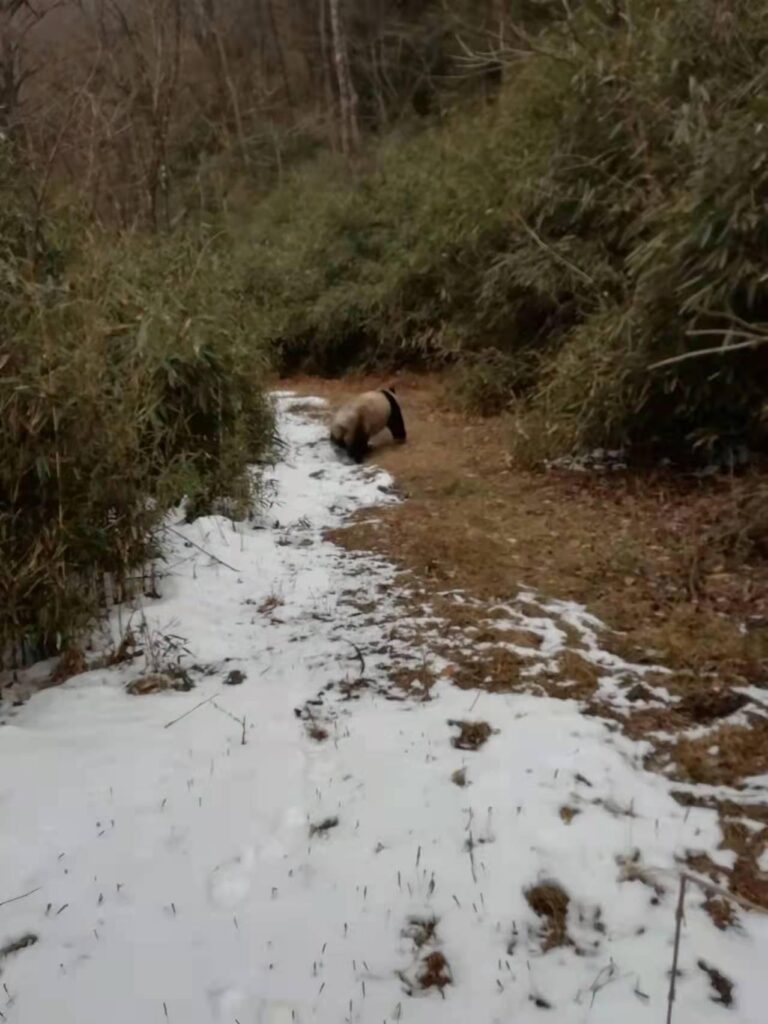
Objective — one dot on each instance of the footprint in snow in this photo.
(279, 1013)
(272, 849)
(230, 883)
(227, 1003)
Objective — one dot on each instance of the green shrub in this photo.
(489, 381)
(386, 265)
(661, 169)
(126, 382)
(606, 215)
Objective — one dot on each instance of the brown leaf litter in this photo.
(721, 986)
(435, 971)
(472, 735)
(549, 901)
(156, 682)
(421, 930)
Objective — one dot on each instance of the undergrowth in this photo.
(128, 382)
(603, 217)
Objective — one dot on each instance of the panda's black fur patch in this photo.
(395, 421)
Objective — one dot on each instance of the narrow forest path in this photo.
(309, 844)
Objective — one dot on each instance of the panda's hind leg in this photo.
(396, 425)
(358, 446)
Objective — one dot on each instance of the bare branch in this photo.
(676, 949)
(552, 251)
(755, 341)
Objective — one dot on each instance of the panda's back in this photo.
(374, 411)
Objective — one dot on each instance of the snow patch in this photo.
(259, 852)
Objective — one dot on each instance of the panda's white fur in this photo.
(363, 417)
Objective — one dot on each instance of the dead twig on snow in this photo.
(175, 720)
(359, 655)
(676, 950)
(178, 533)
(15, 899)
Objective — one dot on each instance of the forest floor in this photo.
(415, 778)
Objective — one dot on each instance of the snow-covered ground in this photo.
(228, 866)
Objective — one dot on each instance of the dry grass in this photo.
(518, 637)
(706, 705)
(702, 864)
(71, 663)
(496, 670)
(413, 678)
(472, 735)
(743, 839)
(421, 930)
(550, 903)
(722, 912)
(576, 674)
(435, 971)
(631, 869)
(749, 882)
(155, 682)
(746, 880)
(722, 987)
(724, 756)
(269, 604)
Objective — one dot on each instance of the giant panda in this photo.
(357, 421)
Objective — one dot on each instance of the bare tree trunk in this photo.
(143, 42)
(494, 71)
(18, 19)
(279, 51)
(350, 130)
(499, 18)
(233, 96)
(325, 58)
(377, 83)
(9, 88)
